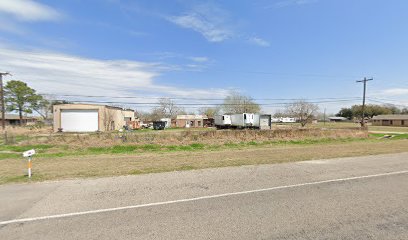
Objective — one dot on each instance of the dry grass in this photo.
(12, 170)
(28, 130)
(344, 125)
(14, 134)
(165, 138)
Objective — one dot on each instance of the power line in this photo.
(314, 75)
(210, 104)
(198, 99)
(383, 102)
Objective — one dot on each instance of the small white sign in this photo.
(29, 153)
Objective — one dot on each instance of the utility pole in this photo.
(324, 116)
(364, 81)
(3, 105)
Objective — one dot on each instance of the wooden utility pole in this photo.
(3, 105)
(364, 81)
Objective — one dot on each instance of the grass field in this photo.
(113, 143)
(127, 160)
(63, 156)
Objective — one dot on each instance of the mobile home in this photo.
(242, 120)
(222, 121)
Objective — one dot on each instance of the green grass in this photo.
(13, 151)
(9, 155)
(20, 149)
(393, 135)
(50, 151)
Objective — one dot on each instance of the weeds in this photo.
(111, 143)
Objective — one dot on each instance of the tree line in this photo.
(370, 111)
(21, 98)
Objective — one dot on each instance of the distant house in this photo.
(390, 120)
(284, 120)
(91, 118)
(190, 121)
(338, 119)
(14, 120)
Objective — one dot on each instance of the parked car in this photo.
(159, 125)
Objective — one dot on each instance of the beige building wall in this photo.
(109, 118)
(193, 123)
(395, 123)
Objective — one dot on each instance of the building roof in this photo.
(391, 117)
(338, 118)
(97, 105)
(191, 117)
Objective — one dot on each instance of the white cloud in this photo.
(286, 3)
(199, 59)
(55, 73)
(395, 92)
(209, 21)
(28, 10)
(259, 41)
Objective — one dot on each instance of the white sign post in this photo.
(28, 154)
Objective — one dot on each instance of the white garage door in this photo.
(79, 120)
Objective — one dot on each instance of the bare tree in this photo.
(166, 108)
(303, 111)
(45, 107)
(108, 120)
(279, 114)
(238, 103)
(209, 111)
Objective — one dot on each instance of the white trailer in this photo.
(288, 120)
(262, 121)
(242, 120)
(222, 121)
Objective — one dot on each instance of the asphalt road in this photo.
(349, 198)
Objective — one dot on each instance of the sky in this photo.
(278, 50)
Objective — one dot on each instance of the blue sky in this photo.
(285, 49)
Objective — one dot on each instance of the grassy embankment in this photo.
(73, 156)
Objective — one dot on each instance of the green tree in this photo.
(371, 110)
(346, 113)
(21, 98)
